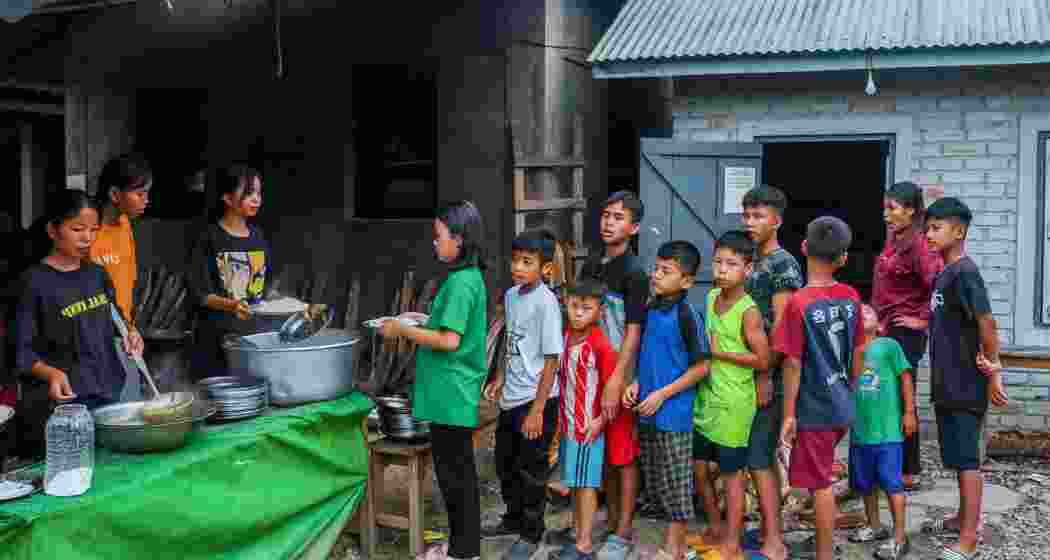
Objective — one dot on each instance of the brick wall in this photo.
(965, 136)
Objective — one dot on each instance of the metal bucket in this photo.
(319, 368)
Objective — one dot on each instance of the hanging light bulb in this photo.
(170, 5)
(871, 88)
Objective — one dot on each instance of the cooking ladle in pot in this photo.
(155, 410)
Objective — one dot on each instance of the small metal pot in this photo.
(396, 420)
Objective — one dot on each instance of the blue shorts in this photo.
(581, 464)
(876, 466)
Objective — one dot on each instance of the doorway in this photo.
(844, 177)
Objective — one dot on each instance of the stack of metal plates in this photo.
(236, 398)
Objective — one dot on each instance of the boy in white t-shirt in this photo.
(527, 392)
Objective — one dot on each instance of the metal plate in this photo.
(12, 490)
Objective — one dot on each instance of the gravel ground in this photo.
(1020, 533)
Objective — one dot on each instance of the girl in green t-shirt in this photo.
(450, 370)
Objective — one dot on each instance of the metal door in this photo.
(692, 192)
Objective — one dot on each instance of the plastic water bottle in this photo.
(70, 434)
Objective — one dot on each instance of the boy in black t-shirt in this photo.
(964, 355)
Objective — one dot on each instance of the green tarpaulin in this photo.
(267, 488)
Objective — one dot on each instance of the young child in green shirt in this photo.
(885, 407)
(450, 369)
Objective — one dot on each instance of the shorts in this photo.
(960, 434)
(876, 466)
(581, 464)
(765, 435)
(812, 458)
(668, 471)
(729, 459)
(621, 439)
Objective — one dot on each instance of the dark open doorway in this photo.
(844, 178)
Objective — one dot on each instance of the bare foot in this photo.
(730, 551)
(712, 535)
(774, 550)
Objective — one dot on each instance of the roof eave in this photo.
(823, 62)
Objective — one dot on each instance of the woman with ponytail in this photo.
(904, 275)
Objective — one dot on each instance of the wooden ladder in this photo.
(577, 204)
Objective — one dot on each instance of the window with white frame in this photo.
(1042, 307)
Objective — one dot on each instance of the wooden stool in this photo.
(382, 454)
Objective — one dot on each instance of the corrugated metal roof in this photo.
(678, 29)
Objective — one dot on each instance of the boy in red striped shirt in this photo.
(587, 363)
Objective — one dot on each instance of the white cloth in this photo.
(534, 331)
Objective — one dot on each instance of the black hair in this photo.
(539, 241)
(126, 172)
(630, 202)
(908, 195)
(462, 218)
(684, 253)
(766, 195)
(62, 205)
(226, 181)
(950, 208)
(586, 288)
(738, 242)
(828, 238)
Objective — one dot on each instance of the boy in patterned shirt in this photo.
(775, 278)
(674, 356)
(587, 363)
(822, 340)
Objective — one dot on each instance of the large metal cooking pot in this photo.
(120, 427)
(319, 368)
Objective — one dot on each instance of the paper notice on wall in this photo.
(77, 182)
(738, 180)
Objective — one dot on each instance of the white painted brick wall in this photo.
(968, 143)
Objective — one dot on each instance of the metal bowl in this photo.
(396, 420)
(120, 427)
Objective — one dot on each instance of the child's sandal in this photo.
(950, 554)
(866, 534)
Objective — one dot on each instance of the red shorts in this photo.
(621, 439)
(812, 458)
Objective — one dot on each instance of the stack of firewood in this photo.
(162, 300)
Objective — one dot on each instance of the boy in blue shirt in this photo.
(674, 356)
(885, 407)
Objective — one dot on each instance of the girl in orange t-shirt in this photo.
(123, 195)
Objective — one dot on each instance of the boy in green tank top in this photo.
(725, 400)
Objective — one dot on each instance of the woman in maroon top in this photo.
(904, 275)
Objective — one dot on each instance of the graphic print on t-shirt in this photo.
(243, 274)
(829, 321)
(869, 381)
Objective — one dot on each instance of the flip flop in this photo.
(751, 539)
(949, 554)
(697, 543)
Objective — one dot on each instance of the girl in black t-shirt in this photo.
(231, 266)
(65, 333)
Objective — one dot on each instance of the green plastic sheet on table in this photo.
(267, 488)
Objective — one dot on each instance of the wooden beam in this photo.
(39, 108)
(549, 163)
(552, 204)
